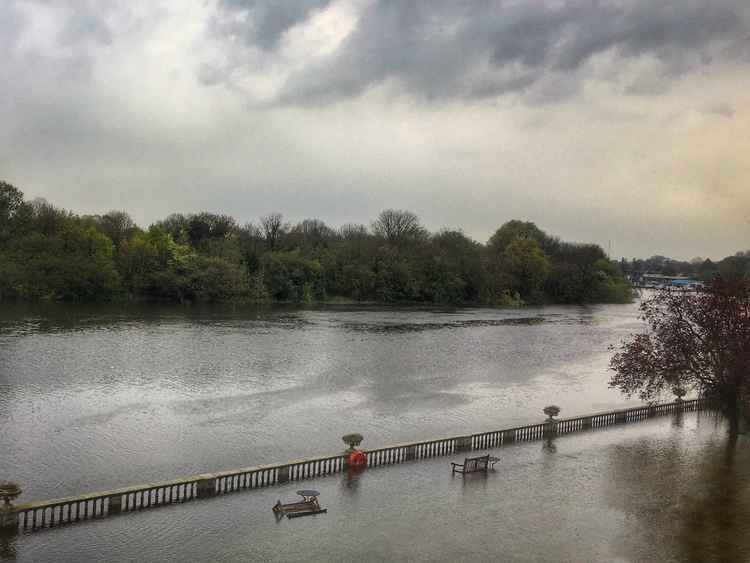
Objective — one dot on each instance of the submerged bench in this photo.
(474, 464)
(307, 506)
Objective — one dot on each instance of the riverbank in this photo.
(505, 301)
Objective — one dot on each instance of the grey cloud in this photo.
(669, 30)
(86, 23)
(262, 23)
(444, 49)
(211, 75)
(12, 25)
(81, 27)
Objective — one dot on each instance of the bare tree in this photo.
(353, 231)
(273, 227)
(118, 226)
(313, 232)
(176, 224)
(11, 200)
(398, 226)
(250, 236)
(48, 219)
(356, 236)
(203, 226)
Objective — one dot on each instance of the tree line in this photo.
(48, 253)
(736, 266)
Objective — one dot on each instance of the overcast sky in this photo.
(622, 122)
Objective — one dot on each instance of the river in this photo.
(98, 397)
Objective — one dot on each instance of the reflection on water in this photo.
(716, 524)
(402, 327)
(548, 445)
(687, 502)
(8, 545)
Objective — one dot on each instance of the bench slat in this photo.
(474, 464)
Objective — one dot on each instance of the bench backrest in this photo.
(475, 463)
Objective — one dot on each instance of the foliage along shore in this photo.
(47, 253)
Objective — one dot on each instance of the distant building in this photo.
(660, 280)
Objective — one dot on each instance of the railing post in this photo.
(463, 444)
(8, 518)
(8, 514)
(621, 417)
(679, 404)
(115, 504)
(206, 486)
(410, 453)
(283, 475)
(550, 429)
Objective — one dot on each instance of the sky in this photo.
(620, 122)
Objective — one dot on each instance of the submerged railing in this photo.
(42, 514)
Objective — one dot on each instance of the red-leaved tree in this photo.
(698, 341)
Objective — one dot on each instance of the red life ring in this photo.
(357, 459)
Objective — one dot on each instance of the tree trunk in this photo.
(734, 423)
(732, 413)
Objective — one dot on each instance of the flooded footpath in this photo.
(668, 489)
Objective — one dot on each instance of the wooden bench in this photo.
(309, 505)
(302, 506)
(473, 464)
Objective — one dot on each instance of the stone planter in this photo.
(8, 516)
(353, 441)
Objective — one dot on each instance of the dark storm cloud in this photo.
(260, 22)
(443, 49)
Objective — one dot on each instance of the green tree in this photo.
(76, 264)
(528, 266)
(395, 279)
(213, 280)
(454, 271)
(291, 277)
(513, 230)
(576, 275)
